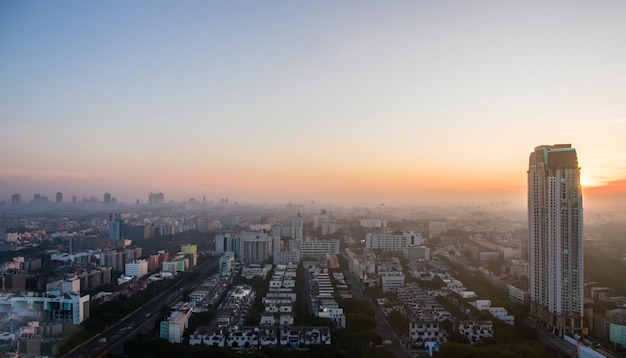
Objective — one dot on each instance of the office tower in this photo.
(74, 199)
(115, 227)
(107, 198)
(16, 199)
(156, 198)
(59, 197)
(555, 225)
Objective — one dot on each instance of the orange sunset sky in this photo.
(347, 102)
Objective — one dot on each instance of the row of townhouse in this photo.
(498, 312)
(321, 292)
(259, 337)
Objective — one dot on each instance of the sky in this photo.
(361, 102)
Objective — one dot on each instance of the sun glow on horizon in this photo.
(588, 182)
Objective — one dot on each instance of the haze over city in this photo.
(350, 102)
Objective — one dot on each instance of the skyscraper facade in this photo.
(555, 225)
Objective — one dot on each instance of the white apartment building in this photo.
(388, 242)
(174, 327)
(390, 281)
(64, 286)
(67, 307)
(318, 248)
(136, 268)
(555, 225)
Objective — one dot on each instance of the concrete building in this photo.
(555, 225)
(192, 252)
(175, 265)
(114, 259)
(617, 326)
(156, 199)
(318, 248)
(13, 281)
(16, 199)
(174, 327)
(418, 253)
(390, 281)
(67, 307)
(388, 242)
(136, 268)
(255, 247)
(422, 332)
(225, 266)
(64, 286)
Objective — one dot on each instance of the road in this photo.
(382, 326)
(128, 327)
(546, 337)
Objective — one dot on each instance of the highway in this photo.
(119, 332)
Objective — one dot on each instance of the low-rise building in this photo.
(390, 281)
(422, 332)
(174, 326)
(475, 330)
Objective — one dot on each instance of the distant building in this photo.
(255, 247)
(227, 243)
(29, 345)
(59, 198)
(177, 264)
(68, 307)
(390, 281)
(107, 198)
(225, 266)
(136, 268)
(418, 253)
(156, 199)
(173, 328)
(392, 242)
(613, 324)
(318, 248)
(13, 281)
(114, 259)
(115, 227)
(372, 223)
(192, 252)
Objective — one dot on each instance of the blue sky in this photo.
(353, 101)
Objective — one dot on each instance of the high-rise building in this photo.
(107, 198)
(59, 197)
(156, 199)
(16, 199)
(555, 225)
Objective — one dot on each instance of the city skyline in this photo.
(350, 103)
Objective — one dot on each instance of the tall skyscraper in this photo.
(555, 225)
(107, 198)
(59, 197)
